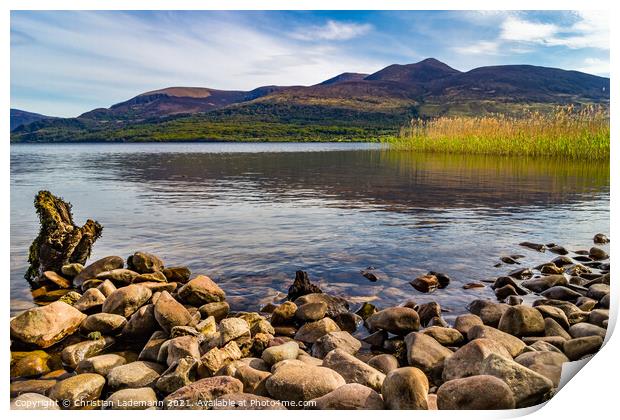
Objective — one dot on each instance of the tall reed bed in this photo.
(567, 132)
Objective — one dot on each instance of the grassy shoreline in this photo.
(565, 133)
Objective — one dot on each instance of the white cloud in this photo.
(95, 59)
(515, 29)
(595, 66)
(332, 31)
(481, 47)
(590, 30)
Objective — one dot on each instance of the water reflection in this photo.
(250, 215)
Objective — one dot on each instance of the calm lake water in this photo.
(250, 215)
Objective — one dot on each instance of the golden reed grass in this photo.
(567, 132)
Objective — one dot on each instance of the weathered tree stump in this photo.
(60, 242)
(302, 286)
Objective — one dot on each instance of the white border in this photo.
(592, 394)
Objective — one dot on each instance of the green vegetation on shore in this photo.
(566, 133)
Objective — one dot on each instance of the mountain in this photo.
(19, 117)
(177, 100)
(344, 77)
(418, 73)
(349, 106)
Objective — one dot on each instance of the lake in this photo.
(249, 215)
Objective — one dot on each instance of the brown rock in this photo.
(405, 389)
(201, 290)
(47, 325)
(170, 313)
(467, 361)
(197, 395)
(479, 392)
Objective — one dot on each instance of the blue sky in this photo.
(64, 63)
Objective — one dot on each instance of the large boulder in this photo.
(183, 346)
(134, 375)
(467, 361)
(143, 262)
(522, 321)
(539, 285)
(405, 389)
(101, 364)
(480, 392)
(463, 323)
(33, 363)
(397, 320)
(214, 359)
(121, 276)
(99, 266)
(528, 387)
(577, 348)
(335, 340)
(75, 353)
(78, 391)
(302, 382)
(312, 311)
(286, 351)
(126, 300)
(169, 313)
(201, 290)
(312, 331)
(425, 353)
(198, 395)
(284, 314)
(444, 336)
(512, 344)
(142, 323)
(489, 312)
(354, 370)
(335, 305)
(45, 326)
(349, 397)
(233, 328)
(90, 301)
(584, 329)
(103, 323)
(384, 363)
(178, 375)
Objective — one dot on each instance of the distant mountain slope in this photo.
(347, 106)
(344, 77)
(19, 117)
(522, 82)
(423, 72)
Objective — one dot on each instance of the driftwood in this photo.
(302, 286)
(60, 242)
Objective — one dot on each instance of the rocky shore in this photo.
(136, 334)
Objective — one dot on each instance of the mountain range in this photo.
(349, 106)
